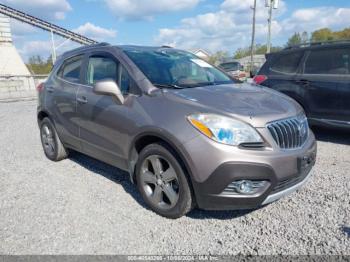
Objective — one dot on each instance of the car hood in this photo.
(254, 104)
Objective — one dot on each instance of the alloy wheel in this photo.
(160, 182)
(48, 139)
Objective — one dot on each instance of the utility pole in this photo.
(252, 46)
(53, 48)
(271, 4)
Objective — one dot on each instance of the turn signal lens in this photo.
(201, 127)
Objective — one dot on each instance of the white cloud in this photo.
(146, 9)
(226, 29)
(44, 48)
(230, 27)
(315, 18)
(45, 9)
(96, 32)
(20, 29)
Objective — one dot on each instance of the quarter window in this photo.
(71, 69)
(332, 62)
(101, 68)
(287, 63)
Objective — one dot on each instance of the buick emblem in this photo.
(302, 128)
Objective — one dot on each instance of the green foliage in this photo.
(322, 35)
(297, 39)
(294, 40)
(259, 50)
(38, 66)
(326, 34)
(217, 57)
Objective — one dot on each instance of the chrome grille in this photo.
(289, 133)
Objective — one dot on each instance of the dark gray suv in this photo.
(185, 131)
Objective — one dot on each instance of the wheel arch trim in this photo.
(162, 135)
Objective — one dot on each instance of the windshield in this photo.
(176, 69)
(231, 66)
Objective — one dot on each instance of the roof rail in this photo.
(82, 48)
(309, 44)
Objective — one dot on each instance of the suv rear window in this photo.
(330, 61)
(287, 63)
(70, 69)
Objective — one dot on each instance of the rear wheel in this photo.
(52, 145)
(162, 182)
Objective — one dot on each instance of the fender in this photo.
(161, 134)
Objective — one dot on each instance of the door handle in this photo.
(50, 89)
(82, 100)
(303, 82)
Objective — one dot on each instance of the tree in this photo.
(259, 50)
(218, 57)
(295, 39)
(38, 66)
(322, 35)
(343, 35)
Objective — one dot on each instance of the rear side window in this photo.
(70, 70)
(287, 63)
(101, 68)
(330, 61)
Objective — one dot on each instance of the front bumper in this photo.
(286, 172)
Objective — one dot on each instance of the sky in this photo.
(187, 24)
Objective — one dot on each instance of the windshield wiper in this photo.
(168, 86)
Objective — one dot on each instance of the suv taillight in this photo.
(259, 79)
(40, 87)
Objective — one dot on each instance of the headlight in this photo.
(224, 130)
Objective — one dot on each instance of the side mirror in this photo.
(109, 87)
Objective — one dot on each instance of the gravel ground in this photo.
(81, 206)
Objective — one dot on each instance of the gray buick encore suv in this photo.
(188, 134)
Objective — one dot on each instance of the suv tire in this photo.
(159, 174)
(52, 145)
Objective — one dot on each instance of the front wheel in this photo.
(162, 182)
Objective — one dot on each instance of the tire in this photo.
(52, 145)
(158, 187)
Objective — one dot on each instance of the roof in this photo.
(311, 45)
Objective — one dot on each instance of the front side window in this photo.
(328, 61)
(101, 68)
(71, 68)
(175, 68)
(287, 63)
(125, 81)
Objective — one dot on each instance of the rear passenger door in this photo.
(103, 120)
(63, 89)
(283, 72)
(326, 79)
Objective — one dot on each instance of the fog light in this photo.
(247, 187)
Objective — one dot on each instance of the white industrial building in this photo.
(15, 78)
